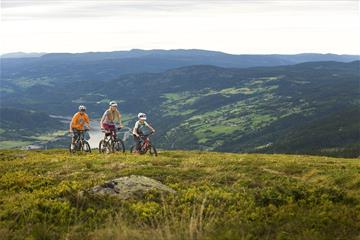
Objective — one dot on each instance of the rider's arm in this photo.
(73, 120)
(120, 120)
(70, 125)
(102, 120)
(150, 127)
(87, 121)
(135, 129)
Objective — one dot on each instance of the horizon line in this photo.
(174, 49)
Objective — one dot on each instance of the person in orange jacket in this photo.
(78, 123)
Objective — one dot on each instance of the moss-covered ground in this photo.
(219, 196)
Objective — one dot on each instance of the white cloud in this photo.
(282, 26)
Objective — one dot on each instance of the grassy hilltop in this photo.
(219, 196)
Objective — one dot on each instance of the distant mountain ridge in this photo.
(202, 57)
(186, 57)
(54, 68)
(21, 55)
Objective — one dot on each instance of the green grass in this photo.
(219, 196)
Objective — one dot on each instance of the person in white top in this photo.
(138, 129)
(109, 118)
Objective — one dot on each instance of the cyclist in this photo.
(78, 123)
(140, 125)
(109, 118)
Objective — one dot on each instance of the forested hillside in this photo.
(310, 107)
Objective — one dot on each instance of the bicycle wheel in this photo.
(86, 147)
(132, 149)
(104, 147)
(72, 148)
(152, 151)
(118, 146)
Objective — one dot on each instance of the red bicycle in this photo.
(145, 146)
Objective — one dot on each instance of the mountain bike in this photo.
(111, 143)
(145, 146)
(80, 143)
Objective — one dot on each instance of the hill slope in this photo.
(264, 109)
(301, 108)
(219, 196)
(22, 127)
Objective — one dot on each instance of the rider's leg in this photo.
(137, 141)
(75, 135)
(113, 131)
(109, 128)
(114, 134)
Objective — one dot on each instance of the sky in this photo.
(232, 26)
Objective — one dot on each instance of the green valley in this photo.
(20, 128)
(307, 108)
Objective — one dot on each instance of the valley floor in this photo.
(218, 196)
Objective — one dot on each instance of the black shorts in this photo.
(76, 133)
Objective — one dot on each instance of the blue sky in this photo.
(243, 26)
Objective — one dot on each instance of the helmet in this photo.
(82, 108)
(113, 104)
(142, 116)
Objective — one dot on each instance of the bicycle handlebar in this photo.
(146, 135)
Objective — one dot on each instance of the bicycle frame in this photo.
(110, 134)
(145, 146)
(80, 138)
(79, 142)
(110, 142)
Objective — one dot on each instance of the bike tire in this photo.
(104, 147)
(153, 151)
(72, 148)
(86, 147)
(118, 146)
(132, 149)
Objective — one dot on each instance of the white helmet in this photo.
(142, 116)
(82, 108)
(113, 104)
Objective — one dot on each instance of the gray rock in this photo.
(129, 187)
